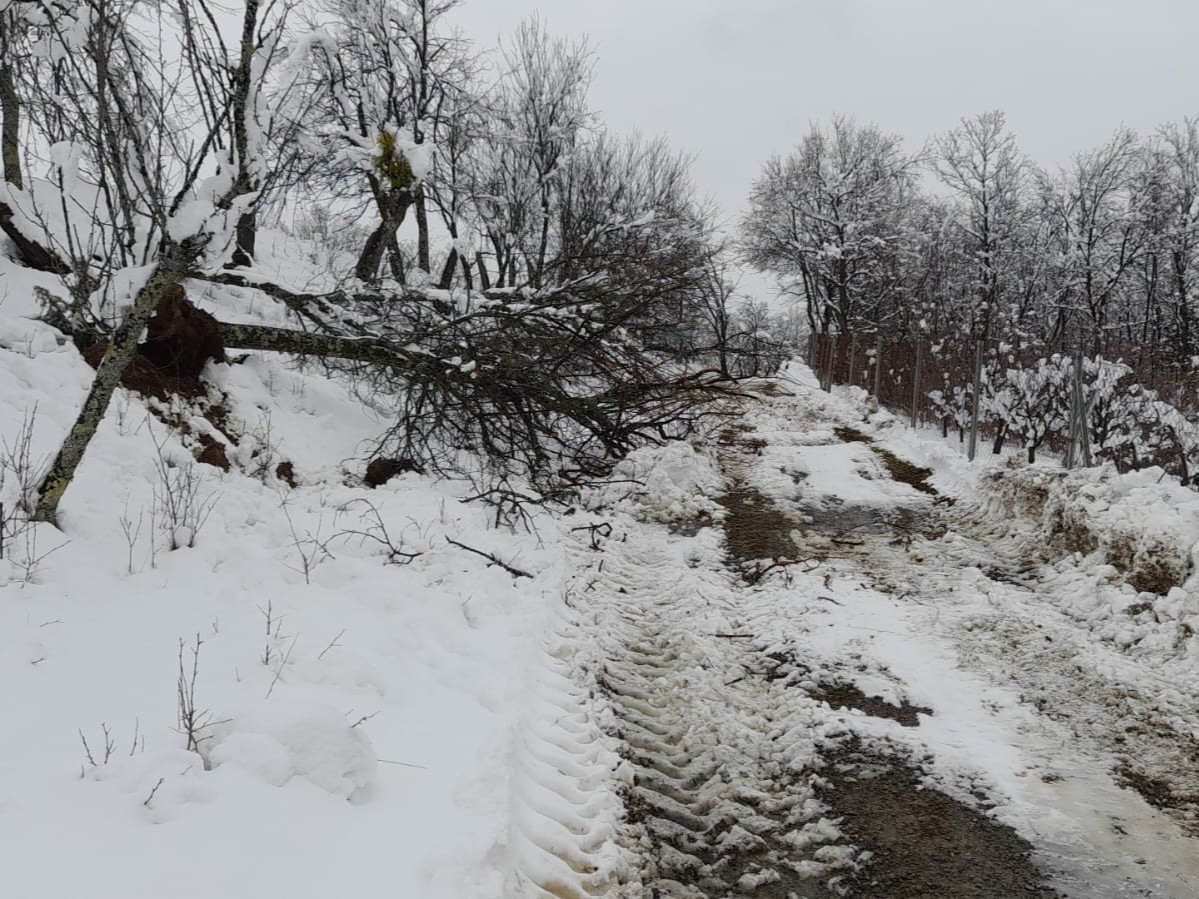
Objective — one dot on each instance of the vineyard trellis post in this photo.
(916, 382)
(878, 366)
(976, 400)
(853, 357)
(830, 354)
(1080, 415)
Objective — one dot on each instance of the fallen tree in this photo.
(578, 357)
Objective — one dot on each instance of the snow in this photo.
(360, 721)
(674, 482)
(435, 728)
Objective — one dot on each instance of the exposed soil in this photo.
(286, 472)
(755, 528)
(146, 378)
(905, 472)
(847, 696)
(180, 341)
(852, 435)
(925, 844)
(382, 470)
(210, 452)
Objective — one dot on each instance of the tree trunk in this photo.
(121, 350)
(312, 343)
(422, 233)
(1000, 435)
(393, 212)
(247, 223)
(446, 281)
(33, 254)
(481, 267)
(247, 234)
(467, 278)
(10, 113)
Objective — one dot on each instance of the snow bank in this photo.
(1143, 524)
(670, 484)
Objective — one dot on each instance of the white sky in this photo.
(733, 81)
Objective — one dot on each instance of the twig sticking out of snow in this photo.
(491, 557)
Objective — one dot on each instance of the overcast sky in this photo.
(733, 81)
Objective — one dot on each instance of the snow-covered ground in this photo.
(1033, 694)
(360, 720)
(380, 712)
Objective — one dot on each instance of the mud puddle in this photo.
(901, 470)
(847, 696)
(839, 694)
(924, 843)
(754, 527)
(901, 522)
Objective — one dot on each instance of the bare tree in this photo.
(540, 108)
(1097, 242)
(979, 161)
(830, 217)
(1180, 231)
(392, 84)
(140, 210)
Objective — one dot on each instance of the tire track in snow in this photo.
(564, 809)
(723, 799)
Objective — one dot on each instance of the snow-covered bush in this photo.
(1129, 424)
(671, 484)
(1032, 402)
(276, 741)
(953, 407)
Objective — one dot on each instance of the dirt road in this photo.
(830, 677)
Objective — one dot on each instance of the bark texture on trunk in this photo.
(308, 343)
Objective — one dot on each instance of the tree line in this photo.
(969, 239)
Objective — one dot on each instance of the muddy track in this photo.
(715, 807)
(746, 780)
(922, 549)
